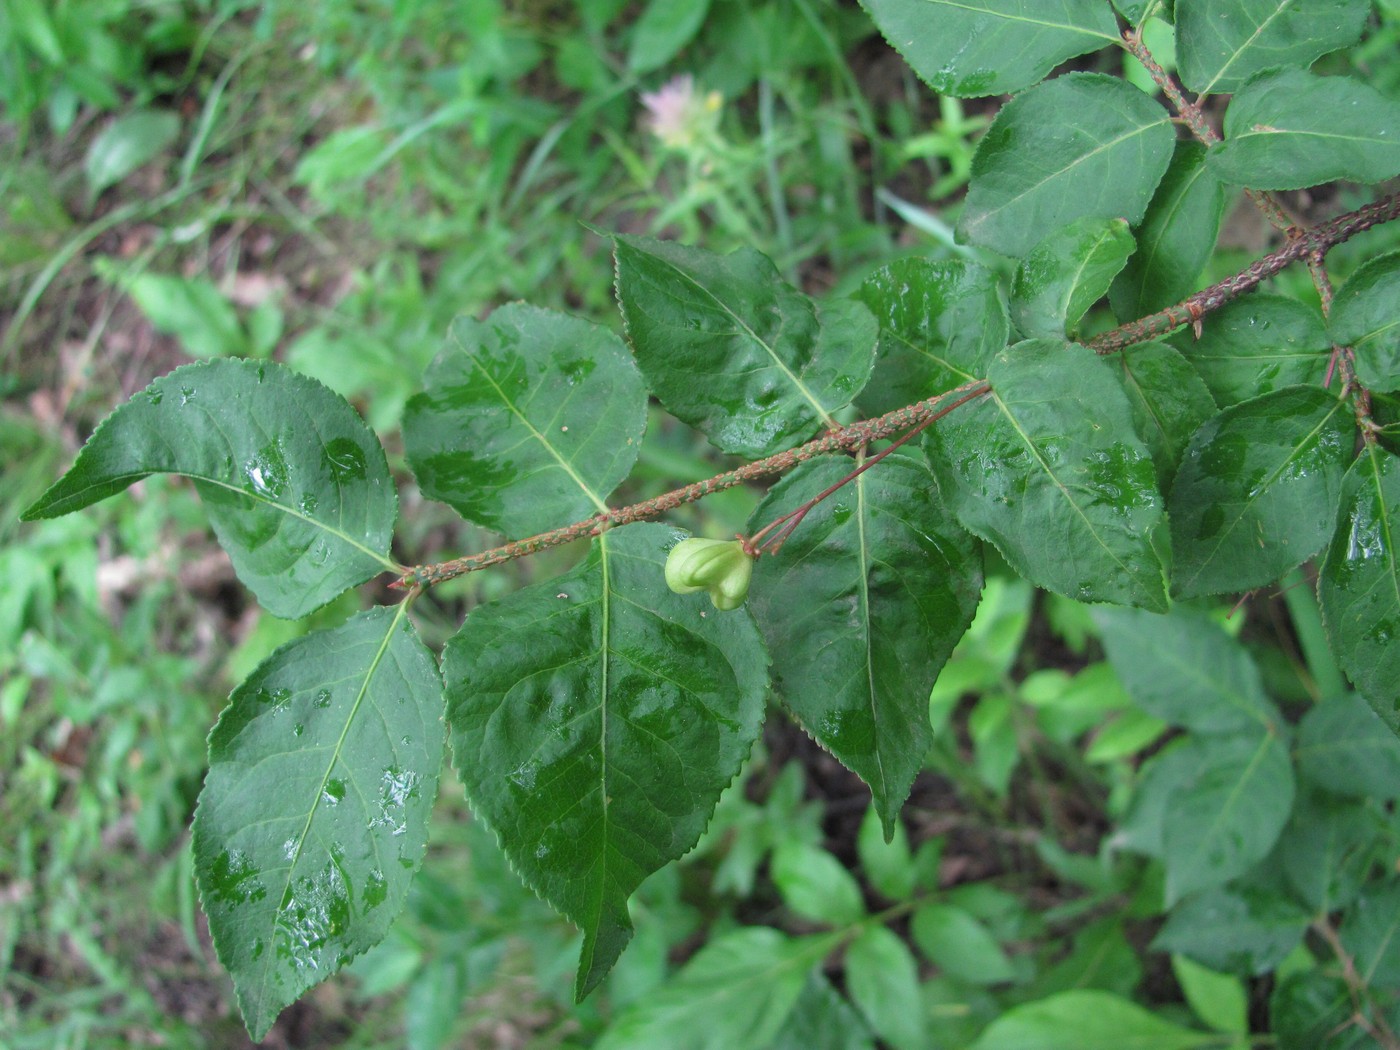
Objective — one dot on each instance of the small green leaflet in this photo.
(1065, 274)
(1087, 1020)
(529, 419)
(991, 47)
(1290, 130)
(314, 816)
(861, 608)
(1048, 469)
(1364, 318)
(1081, 145)
(883, 979)
(595, 719)
(1257, 490)
(734, 350)
(297, 487)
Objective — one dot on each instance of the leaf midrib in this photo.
(1028, 21)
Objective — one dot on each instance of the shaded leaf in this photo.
(731, 348)
(1246, 931)
(1291, 129)
(1365, 318)
(1343, 746)
(314, 815)
(1257, 490)
(1048, 469)
(126, 144)
(1087, 1020)
(861, 608)
(823, 1020)
(883, 980)
(1370, 931)
(664, 28)
(1082, 145)
(1257, 345)
(960, 945)
(991, 47)
(304, 511)
(1168, 399)
(1328, 849)
(508, 430)
(1222, 43)
(595, 719)
(192, 311)
(940, 323)
(1315, 1010)
(1066, 273)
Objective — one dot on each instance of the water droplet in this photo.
(376, 889)
(155, 396)
(346, 461)
(308, 503)
(298, 729)
(524, 776)
(262, 370)
(333, 792)
(289, 849)
(186, 395)
(234, 880)
(322, 699)
(267, 471)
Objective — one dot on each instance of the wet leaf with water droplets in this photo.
(314, 814)
(595, 736)
(1364, 318)
(296, 485)
(1066, 273)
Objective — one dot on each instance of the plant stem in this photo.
(1302, 605)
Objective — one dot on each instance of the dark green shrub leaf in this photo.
(1291, 129)
(1247, 931)
(509, 430)
(734, 350)
(1175, 237)
(1328, 848)
(1343, 746)
(1359, 581)
(1048, 469)
(878, 553)
(883, 980)
(1087, 1020)
(1257, 345)
(314, 816)
(960, 945)
(991, 47)
(1370, 931)
(1364, 317)
(1082, 145)
(1315, 1010)
(1100, 957)
(1222, 43)
(665, 27)
(1257, 490)
(823, 1020)
(940, 323)
(1168, 399)
(595, 719)
(1185, 669)
(303, 511)
(816, 885)
(1066, 273)
(737, 991)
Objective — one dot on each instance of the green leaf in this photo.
(126, 144)
(1291, 129)
(1370, 933)
(1101, 958)
(1047, 468)
(1246, 931)
(1185, 669)
(1168, 399)
(940, 323)
(815, 885)
(1082, 145)
(889, 866)
(508, 430)
(595, 719)
(883, 981)
(1343, 746)
(1359, 581)
(1257, 490)
(191, 310)
(1216, 998)
(1066, 273)
(1364, 317)
(303, 511)
(1175, 238)
(1315, 1010)
(1222, 43)
(1257, 345)
(1087, 1020)
(957, 943)
(731, 348)
(737, 991)
(314, 815)
(991, 47)
(823, 1020)
(664, 28)
(861, 608)
(1328, 849)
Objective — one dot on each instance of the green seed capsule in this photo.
(721, 567)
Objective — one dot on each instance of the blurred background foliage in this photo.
(330, 183)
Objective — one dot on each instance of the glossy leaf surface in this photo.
(304, 511)
(314, 814)
(595, 719)
(734, 350)
(509, 430)
(1087, 1020)
(1168, 399)
(1048, 469)
(991, 47)
(1082, 145)
(1291, 129)
(1222, 43)
(1359, 582)
(1257, 490)
(1067, 273)
(1258, 344)
(940, 323)
(861, 608)
(1364, 317)
(1174, 239)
